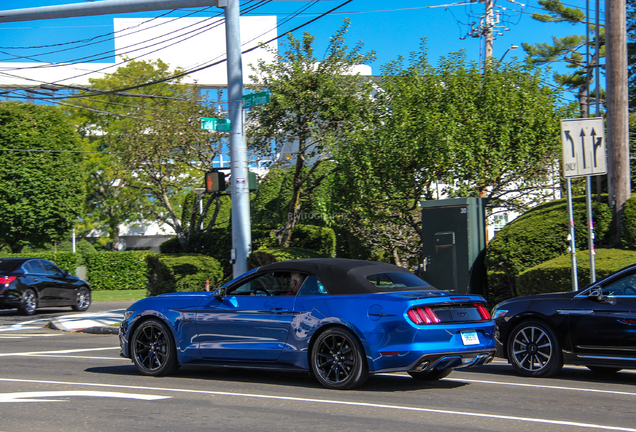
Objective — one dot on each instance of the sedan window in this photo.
(35, 267)
(625, 286)
(51, 269)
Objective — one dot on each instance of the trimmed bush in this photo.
(182, 272)
(555, 275)
(315, 238)
(117, 270)
(628, 226)
(274, 254)
(65, 260)
(538, 236)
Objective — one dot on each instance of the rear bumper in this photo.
(429, 362)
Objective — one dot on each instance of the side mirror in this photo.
(219, 293)
(66, 273)
(597, 295)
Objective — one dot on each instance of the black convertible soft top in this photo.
(339, 275)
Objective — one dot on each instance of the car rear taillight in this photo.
(423, 315)
(483, 312)
(5, 280)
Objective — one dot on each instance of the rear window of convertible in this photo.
(397, 282)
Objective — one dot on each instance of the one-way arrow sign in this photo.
(583, 143)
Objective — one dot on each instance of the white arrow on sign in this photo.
(37, 396)
(583, 143)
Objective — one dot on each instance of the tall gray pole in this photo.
(575, 279)
(241, 233)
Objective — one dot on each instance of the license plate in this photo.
(470, 338)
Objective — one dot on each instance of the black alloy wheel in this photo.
(534, 350)
(338, 360)
(433, 375)
(153, 350)
(29, 302)
(83, 300)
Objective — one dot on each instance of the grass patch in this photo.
(118, 295)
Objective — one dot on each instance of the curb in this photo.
(92, 330)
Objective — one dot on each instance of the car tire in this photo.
(434, 375)
(603, 369)
(338, 360)
(534, 350)
(28, 303)
(83, 300)
(152, 349)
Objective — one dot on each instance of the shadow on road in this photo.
(375, 383)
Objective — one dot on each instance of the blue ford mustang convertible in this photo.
(338, 319)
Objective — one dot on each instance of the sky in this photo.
(391, 29)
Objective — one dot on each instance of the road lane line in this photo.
(80, 357)
(345, 403)
(34, 353)
(34, 396)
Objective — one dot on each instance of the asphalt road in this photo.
(62, 381)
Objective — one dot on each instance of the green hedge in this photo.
(274, 254)
(117, 270)
(535, 237)
(182, 272)
(64, 260)
(555, 275)
(628, 226)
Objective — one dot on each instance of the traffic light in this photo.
(214, 181)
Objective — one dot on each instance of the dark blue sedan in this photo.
(30, 283)
(338, 319)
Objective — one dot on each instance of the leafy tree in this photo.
(158, 151)
(314, 107)
(451, 130)
(569, 49)
(631, 49)
(42, 193)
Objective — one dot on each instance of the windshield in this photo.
(398, 282)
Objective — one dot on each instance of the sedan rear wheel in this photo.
(338, 361)
(83, 300)
(534, 350)
(153, 350)
(29, 303)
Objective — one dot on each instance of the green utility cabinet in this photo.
(454, 242)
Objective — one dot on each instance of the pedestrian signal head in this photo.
(214, 181)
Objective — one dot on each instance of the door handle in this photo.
(279, 310)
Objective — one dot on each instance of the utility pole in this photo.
(617, 111)
(488, 30)
(241, 225)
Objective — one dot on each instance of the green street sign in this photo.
(214, 124)
(255, 99)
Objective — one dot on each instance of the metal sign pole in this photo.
(590, 229)
(575, 281)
